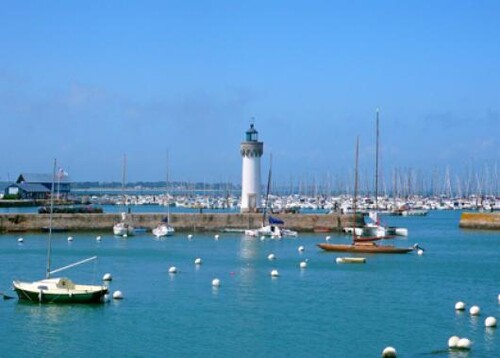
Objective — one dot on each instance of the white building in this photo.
(251, 150)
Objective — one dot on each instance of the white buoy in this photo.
(216, 237)
(460, 306)
(20, 240)
(98, 238)
(490, 322)
(190, 236)
(274, 273)
(271, 257)
(125, 235)
(389, 352)
(474, 311)
(420, 252)
(328, 238)
(262, 238)
(172, 269)
(70, 238)
(464, 343)
(118, 295)
(453, 342)
(301, 249)
(107, 277)
(303, 264)
(197, 261)
(215, 282)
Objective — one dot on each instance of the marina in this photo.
(205, 197)
(403, 301)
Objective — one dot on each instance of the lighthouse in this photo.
(251, 150)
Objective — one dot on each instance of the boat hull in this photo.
(272, 231)
(32, 292)
(93, 297)
(123, 230)
(350, 260)
(163, 230)
(364, 248)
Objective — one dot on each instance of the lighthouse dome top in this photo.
(251, 134)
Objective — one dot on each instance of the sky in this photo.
(88, 82)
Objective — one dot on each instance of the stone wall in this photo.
(181, 222)
(486, 221)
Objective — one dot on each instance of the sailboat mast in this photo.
(355, 188)
(124, 175)
(268, 189)
(47, 275)
(166, 188)
(376, 164)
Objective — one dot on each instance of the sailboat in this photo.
(364, 246)
(373, 229)
(273, 229)
(58, 289)
(124, 228)
(164, 228)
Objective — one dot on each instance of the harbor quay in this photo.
(484, 221)
(182, 222)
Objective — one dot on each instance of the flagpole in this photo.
(58, 183)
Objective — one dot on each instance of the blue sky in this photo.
(89, 81)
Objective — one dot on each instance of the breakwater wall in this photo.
(181, 222)
(485, 221)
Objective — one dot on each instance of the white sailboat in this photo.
(164, 228)
(273, 230)
(374, 229)
(124, 228)
(58, 289)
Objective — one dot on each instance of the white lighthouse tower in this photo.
(251, 150)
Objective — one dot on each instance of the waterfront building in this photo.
(27, 191)
(62, 182)
(251, 150)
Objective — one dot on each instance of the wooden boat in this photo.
(365, 247)
(358, 245)
(371, 238)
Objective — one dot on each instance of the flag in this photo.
(61, 173)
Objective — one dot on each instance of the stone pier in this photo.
(485, 221)
(181, 222)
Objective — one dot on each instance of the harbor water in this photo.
(325, 310)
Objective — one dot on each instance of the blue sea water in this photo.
(325, 310)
